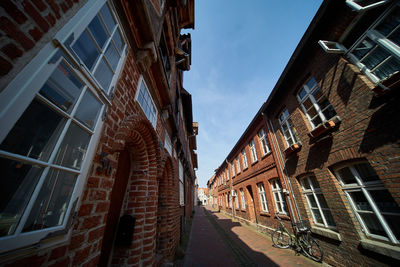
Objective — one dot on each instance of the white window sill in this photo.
(381, 248)
(326, 233)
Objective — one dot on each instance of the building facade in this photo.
(97, 136)
(332, 118)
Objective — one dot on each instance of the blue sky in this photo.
(239, 50)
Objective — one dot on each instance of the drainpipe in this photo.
(283, 169)
(230, 189)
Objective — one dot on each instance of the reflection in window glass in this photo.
(62, 88)
(104, 74)
(112, 56)
(119, 42)
(35, 133)
(98, 30)
(73, 148)
(17, 182)
(88, 110)
(108, 18)
(86, 50)
(51, 204)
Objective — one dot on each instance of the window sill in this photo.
(326, 233)
(381, 248)
(267, 214)
(254, 162)
(293, 148)
(284, 216)
(324, 127)
(387, 85)
(266, 155)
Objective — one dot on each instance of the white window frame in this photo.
(238, 164)
(236, 199)
(357, 7)
(263, 197)
(233, 168)
(314, 191)
(244, 157)
(379, 41)
(309, 95)
(279, 199)
(264, 143)
(284, 119)
(365, 187)
(19, 94)
(243, 199)
(253, 151)
(153, 121)
(230, 199)
(226, 199)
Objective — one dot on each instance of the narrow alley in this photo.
(216, 240)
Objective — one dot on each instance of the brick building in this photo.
(249, 184)
(333, 122)
(97, 137)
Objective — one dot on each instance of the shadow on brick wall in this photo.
(346, 83)
(384, 127)
(319, 152)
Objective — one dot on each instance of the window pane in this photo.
(112, 56)
(360, 201)
(314, 182)
(376, 57)
(62, 88)
(88, 110)
(316, 121)
(346, 176)
(329, 112)
(395, 36)
(104, 74)
(322, 201)
(317, 216)
(119, 42)
(51, 205)
(86, 50)
(17, 182)
(308, 104)
(305, 183)
(391, 21)
(394, 224)
(108, 18)
(35, 133)
(373, 224)
(366, 172)
(328, 217)
(363, 48)
(384, 201)
(311, 83)
(302, 93)
(98, 30)
(312, 201)
(73, 148)
(388, 68)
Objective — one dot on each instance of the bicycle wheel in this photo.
(280, 238)
(310, 247)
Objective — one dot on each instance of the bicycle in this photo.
(302, 239)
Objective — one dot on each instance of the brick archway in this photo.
(168, 211)
(137, 140)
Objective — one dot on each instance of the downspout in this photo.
(283, 170)
(231, 186)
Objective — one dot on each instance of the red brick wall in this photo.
(369, 130)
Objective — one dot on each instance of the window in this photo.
(288, 130)
(314, 104)
(375, 208)
(224, 175)
(264, 142)
(100, 47)
(230, 200)
(238, 164)
(233, 168)
(50, 125)
(243, 199)
(236, 200)
(244, 156)
(280, 203)
(253, 151)
(227, 173)
(168, 144)
(377, 52)
(226, 200)
(146, 102)
(263, 198)
(316, 202)
(181, 185)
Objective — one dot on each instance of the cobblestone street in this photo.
(216, 240)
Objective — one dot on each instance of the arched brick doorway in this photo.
(167, 213)
(135, 193)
